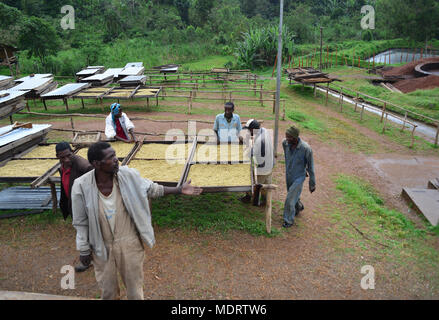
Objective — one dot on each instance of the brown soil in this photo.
(411, 82)
(424, 83)
(408, 69)
(301, 263)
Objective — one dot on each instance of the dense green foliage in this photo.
(209, 26)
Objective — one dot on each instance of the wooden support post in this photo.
(260, 97)
(341, 100)
(147, 103)
(274, 102)
(54, 197)
(356, 103)
(27, 105)
(327, 94)
(157, 100)
(10, 119)
(315, 93)
(67, 105)
(436, 140)
(362, 112)
(384, 111)
(163, 93)
(190, 103)
(8, 62)
(44, 103)
(404, 122)
(385, 124)
(413, 137)
(268, 210)
(268, 207)
(73, 126)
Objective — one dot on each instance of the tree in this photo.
(9, 27)
(202, 10)
(39, 38)
(416, 19)
(183, 9)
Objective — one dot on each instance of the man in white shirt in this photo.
(262, 152)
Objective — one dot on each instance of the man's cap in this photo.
(252, 124)
(293, 132)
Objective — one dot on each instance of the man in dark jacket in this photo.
(72, 167)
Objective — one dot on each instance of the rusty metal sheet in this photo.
(426, 202)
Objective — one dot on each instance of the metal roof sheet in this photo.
(132, 71)
(98, 77)
(36, 76)
(134, 65)
(19, 133)
(11, 95)
(2, 78)
(66, 90)
(133, 78)
(87, 72)
(32, 84)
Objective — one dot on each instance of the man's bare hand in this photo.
(191, 190)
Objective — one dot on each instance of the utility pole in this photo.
(321, 47)
(278, 80)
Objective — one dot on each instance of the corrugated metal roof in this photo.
(19, 133)
(133, 78)
(32, 84)
(132, 71)
(36, 76)
(66, 90)
(99, 77)
(11, 95)
(134, 65)
(87, 72)
(2, 78)
(27, 198)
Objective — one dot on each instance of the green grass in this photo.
(210, 213)
(387, 233)
(424, 102)
(300, 110)
(208, 63)
(346, 133)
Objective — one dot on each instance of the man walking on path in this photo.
(112, 218)
(298, 162)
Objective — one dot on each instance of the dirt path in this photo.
(301, 263)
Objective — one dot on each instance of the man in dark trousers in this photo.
(72, 167)
(298, 162)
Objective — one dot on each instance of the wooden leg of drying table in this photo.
(54, 198)
(268, 211)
